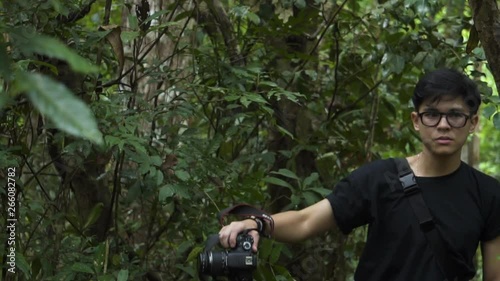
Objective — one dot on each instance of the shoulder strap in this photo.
(414, 195)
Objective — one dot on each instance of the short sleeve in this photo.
(352, 197)
(491, 197)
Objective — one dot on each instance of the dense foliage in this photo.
(132, 123)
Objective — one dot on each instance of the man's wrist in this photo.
(260, 225)
(251, 224)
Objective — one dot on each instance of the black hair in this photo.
(446, 83)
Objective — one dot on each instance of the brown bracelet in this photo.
(261, 226)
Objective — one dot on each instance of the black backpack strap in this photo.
(414, 195)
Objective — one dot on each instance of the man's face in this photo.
(444, 125)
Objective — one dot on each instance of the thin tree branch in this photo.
(352, 105)
(80, 232)
(325, 29)
(336, 73)
(147, 51)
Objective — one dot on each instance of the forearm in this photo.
(296, 226)
(289, 227)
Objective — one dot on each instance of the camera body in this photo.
(237, 263)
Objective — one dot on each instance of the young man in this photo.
(464, 203)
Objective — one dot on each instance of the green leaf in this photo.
(50, 66)
(133, 22)
(128, 36)
(310, 179)
(123, 275)
(116, 259)
(159, 178)
(81, 267)
(265, 273)
(156, 15)
(107, 277)
(496, 120)
(170, 190)
(182, 175)
(265, 248)
(99, 256)
(277, 181)
(112, 141)
(193, 255)
(488, 111)
(253, 18)
(410, 2)
(51, 47)
(256, 98)
(310, 197)
(269, 83)
(394, 63)
(166, 191)
(94, 215)
(282, 271)
(419, 57)
(301, 4)
(23, 265)
(57, 103)
(285, 131)
(321, 191)
(275, 253)
(287, 173)
(59, 7)
(311, 73)
(155, 160)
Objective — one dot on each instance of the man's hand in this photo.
(228, 233)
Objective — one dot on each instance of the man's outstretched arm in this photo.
(290, 226)
(491, 259)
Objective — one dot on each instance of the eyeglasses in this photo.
(454, 119)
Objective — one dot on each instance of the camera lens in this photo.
(203, 263)
(218, 261)
(212, 263)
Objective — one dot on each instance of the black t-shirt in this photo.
(465, 205)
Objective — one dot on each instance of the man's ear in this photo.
(474, 120)
(415, 120)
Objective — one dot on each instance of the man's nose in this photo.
(443, 123)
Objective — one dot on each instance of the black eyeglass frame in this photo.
(467, 117)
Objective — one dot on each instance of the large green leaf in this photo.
(57, 103)
(51, 47)
(277, 181)
(23, 264)
(123, 275)
(81, 267)
(496, 120)
(287, 173)
(94, 214)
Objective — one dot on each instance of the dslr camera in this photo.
(237, 264)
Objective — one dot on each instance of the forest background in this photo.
(130, 124)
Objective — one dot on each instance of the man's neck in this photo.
(426, 164)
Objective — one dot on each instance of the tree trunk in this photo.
(486, 16)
